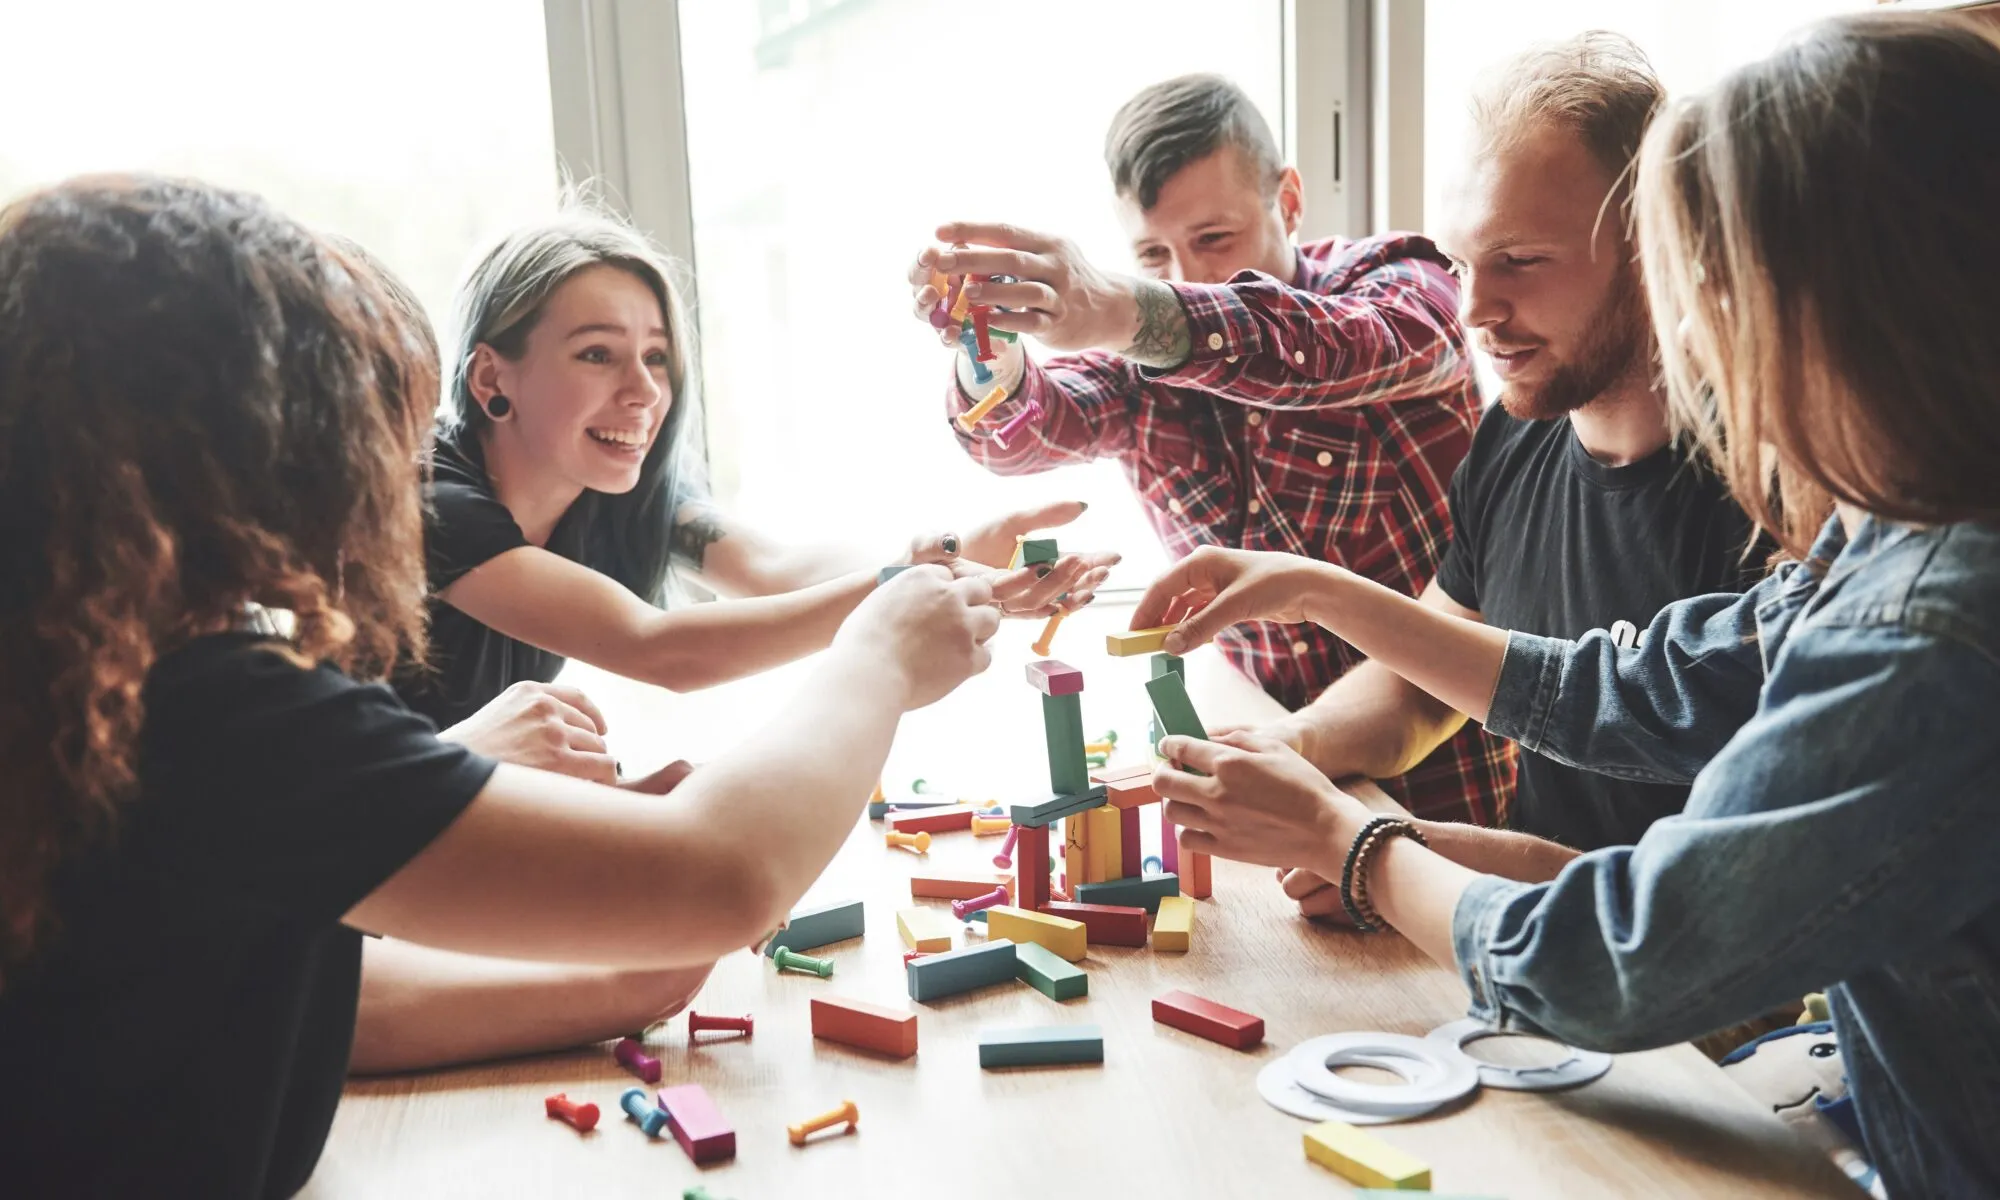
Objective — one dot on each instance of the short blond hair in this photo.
(1598, 85)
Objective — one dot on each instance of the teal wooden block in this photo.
(1042, 812)
(1144, 892)
(1040, 1046)
(1062, 727)
(1038, 550)
(1048, 973)
(809, 928)
(1163, 664)
(1174, 710)
(935, 976)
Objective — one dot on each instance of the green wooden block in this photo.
(887, 573)
(1175, 711)
(1163, 664)
(1041, 1046)
(1032, 816)
(935, 976)
(1038, 550)
(1047, 972)
(811, 928)
(1062, 728)
(1144, 892)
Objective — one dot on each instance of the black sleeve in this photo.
(466, 526)
(297, 790)
(1456, 576)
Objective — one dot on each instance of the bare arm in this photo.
(423, 1008)
(544, 867)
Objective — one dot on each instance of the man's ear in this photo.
(1291, 200)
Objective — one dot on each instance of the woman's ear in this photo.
(1291, 200)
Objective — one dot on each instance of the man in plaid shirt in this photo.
(1312, 399)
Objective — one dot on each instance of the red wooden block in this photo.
(952, 887)
(1205, 1018)
(1031, 868)
(1194, 875)
(933, 822)
(1127, 787)
(869, 1026)
(1104, 924)
(1129, 865)
(1052, 678)
(696, 1125)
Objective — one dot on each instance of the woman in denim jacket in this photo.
(1821, 239)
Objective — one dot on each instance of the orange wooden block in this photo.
(951, 887)
(1194, 875)
(869, 1026)
(1127, 787)
(938, 821)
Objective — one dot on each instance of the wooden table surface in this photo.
(1166, 1115)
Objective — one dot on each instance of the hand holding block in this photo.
(1134, 642)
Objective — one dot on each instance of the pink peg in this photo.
(1006, 856)
(1021, 418)
(637, 1061)
(964, 908)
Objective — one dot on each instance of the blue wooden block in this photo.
(809, 928)
(1041, 1045)
(1056, 807)
(935, 976)
(1144, 892)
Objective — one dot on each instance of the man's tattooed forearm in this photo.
(694, 533)
(1162, 340)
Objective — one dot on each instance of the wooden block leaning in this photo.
(810, 928)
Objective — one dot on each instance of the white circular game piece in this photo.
(1278, 1084)
(1580, 1067)
(1432, 1075)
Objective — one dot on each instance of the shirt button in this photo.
(1215, 341)
(1231, 358)
(1256, 506)
(1325, 458)
(1256, 418)
(1174, 507)
(1299, 648)
(1298, 356)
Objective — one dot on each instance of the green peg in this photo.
(786, 960)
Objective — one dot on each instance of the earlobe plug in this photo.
(498, 407)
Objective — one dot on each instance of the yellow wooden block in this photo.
(1360, 1158)
(1173, 925)
(1104, 848)
(1137, 641)
(1058, 935)
(924, 929)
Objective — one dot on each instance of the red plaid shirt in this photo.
(1323, 418)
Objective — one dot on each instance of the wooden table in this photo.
(1166, 1115)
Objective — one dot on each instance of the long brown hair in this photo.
(1821, 234)
(202, 407)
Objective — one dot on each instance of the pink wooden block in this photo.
(1128, 843)
(1170, 848)
(696, 1125)
(1053, 678)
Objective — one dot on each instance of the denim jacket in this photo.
(1840, 725)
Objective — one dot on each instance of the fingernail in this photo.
(1083, 506)
(1042, 572)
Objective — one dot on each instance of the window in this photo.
(827, 139)
(419, 130)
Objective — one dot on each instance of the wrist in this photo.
(1322, 587)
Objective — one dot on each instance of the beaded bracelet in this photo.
(1353, 873)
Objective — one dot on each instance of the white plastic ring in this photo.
(1433, 1076)
(1278, 1084)
(1582, 1066)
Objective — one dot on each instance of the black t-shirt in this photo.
(467, 525)
(186, 1029)
(1549, 541)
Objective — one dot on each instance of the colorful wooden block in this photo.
(1040, 1046)
(1173, 925)
(890, 572)
(693, 1120)
(943, 820)
(1047, 972)
(1363, 1158)
(1189, 1013)
(1133, 642)
(1062, 727)
(1106, 858)
(878, 809)
(869, 1026)
(1056, 807)
(1058, 934)
(1143, 892)
(1163, 664)
(1127, 787)
(1170, 844)
(1128, 842)
(1172, 706)
(1195, 872)
(1031, 871)
(1039, 550)
(810, 928)
(925, 929)
(936, 976)
(952, 887)
(1104, 924)
(1053, 678)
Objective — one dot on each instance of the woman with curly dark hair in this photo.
(211, 426)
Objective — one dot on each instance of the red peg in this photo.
(700, 1024)
(583, 1117)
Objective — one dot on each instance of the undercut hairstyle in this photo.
(1820, 243)
(1598, 85)
(1181, 121)
(205, 409)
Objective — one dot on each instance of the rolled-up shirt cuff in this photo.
(1220, 327)
(1524, 697)
(1473, 927)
